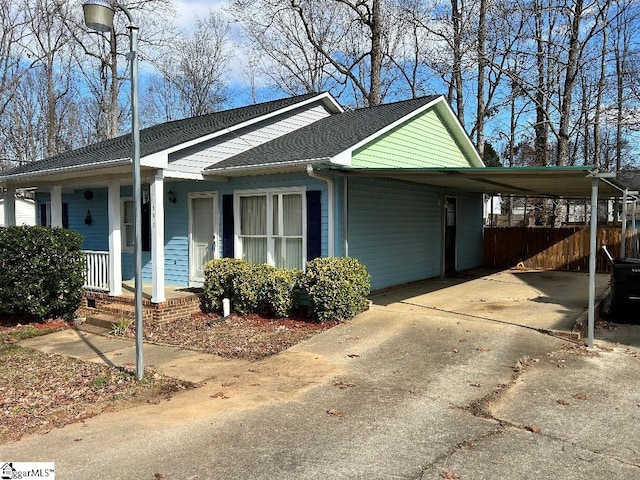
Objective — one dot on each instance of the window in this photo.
(128, 227)
(271, 227)
(45, 214)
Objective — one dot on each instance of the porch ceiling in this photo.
(540, 181)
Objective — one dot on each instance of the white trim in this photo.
(115, 238)
(10, 208)
(269, 193)
(76, 168)
(56, 206)
(330, 181)
(178, 174)
(193, 281)
(157, 238)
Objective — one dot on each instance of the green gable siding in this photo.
(422, 142)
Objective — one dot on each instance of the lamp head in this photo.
(98, 15)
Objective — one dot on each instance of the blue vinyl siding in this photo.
(177, 215)
(395, 230)
(469, 240)
(96, 235)
(394, 227)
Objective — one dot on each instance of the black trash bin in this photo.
(625, 291)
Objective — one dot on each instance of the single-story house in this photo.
(277, 182)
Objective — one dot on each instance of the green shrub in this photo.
(337, 288)
(331, 288)
(280, 291)
(247, 285)
(41, 272)
(218, 281)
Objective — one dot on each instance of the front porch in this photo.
(179, 302)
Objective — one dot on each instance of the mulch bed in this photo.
(238, 336)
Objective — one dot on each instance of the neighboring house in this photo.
(280, 182)
(25, 211)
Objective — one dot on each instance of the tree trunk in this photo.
(480, 113)
(540, 128)
(112, 114)
(457, 59)
(569, 81)
(376, 54)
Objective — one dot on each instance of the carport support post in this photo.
(592, 259)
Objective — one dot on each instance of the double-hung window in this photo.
(128, 225)
(271, 226)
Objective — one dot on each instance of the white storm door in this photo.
(203, 234)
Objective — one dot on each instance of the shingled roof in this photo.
(325, 138)
(157, 138)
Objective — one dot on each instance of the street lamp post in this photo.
(98, 15)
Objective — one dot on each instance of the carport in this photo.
(551, 182)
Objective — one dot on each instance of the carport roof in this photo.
(533, 181)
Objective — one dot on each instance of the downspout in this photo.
(330, 206)
(345, 213)
(443, 233)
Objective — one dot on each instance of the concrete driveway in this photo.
(444, 379)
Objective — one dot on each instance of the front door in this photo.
(450, 236)
(203, 235)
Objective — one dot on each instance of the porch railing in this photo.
(97, 272)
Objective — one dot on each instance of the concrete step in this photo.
(102, 320)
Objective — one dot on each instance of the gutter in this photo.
(40, 173)
(330, 189)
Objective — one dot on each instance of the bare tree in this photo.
(347, 40)
(193, 72)
(100, 59)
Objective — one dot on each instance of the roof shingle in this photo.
(327, 137)
(157, 138)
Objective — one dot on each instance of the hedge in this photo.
(329, 289)
(41, 272)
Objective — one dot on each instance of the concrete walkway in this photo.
(175, 362)
(418, 387)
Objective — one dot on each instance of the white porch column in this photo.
(56, 206)
(157, 238)
(10, 208)
(115, 240)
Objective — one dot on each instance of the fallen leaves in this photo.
(219, 395)
(342, 385)
(336, 413)
(45, 391)
(239, 336)
(532, 428)
(449, 475)
(353, 355)
(561, 401)
(582, 396)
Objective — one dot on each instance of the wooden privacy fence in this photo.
(565, 248)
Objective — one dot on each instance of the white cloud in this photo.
(189, 10)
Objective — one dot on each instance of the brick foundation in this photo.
(124, 307)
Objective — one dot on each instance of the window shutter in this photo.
(65, 215)
(314, 225)
(146, 226)
(43, 214)
(227, 226)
